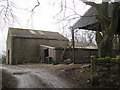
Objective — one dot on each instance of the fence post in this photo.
(118, 63)
(93, 70)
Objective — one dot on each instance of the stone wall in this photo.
(27, 50)
(81, 55)
(9, 49)
(23, 50)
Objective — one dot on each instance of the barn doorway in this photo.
(8, 57)
(46, 54)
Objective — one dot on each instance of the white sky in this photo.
(42, 18)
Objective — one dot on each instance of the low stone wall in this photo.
(81, 55)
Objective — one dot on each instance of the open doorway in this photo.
(8, 57)
(46, 54)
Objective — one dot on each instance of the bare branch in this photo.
(6, 13)
(61, 9)
(36, 5)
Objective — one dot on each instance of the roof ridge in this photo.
(36, 33)
(31, 29)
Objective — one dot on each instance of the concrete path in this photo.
(35, 78)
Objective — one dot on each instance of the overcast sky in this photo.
(40, 19)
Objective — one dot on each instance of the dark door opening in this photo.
(8, 56)
(46, 54)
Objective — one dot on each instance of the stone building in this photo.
(82, 55)
(25, 45)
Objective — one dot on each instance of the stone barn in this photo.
(25, 45)
(60, 54)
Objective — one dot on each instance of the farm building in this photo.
(25, 45)
(90, 22)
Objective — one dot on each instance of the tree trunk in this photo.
(108, 26)
(105, 47)
(119, 45)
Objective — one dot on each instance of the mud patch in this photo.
(19, 73)
(79, 75)
(8, 80)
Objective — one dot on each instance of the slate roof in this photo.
(89, 21)
(39, 34)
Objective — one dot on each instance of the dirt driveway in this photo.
(38, 76)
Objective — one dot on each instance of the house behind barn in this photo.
(25, 45)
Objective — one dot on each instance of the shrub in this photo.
(118, 60)
(107, 58)
(3, 59)
(108, 68)
(113, 60)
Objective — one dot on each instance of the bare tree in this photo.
(108, 25)
(68, 14)
(7, 14)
